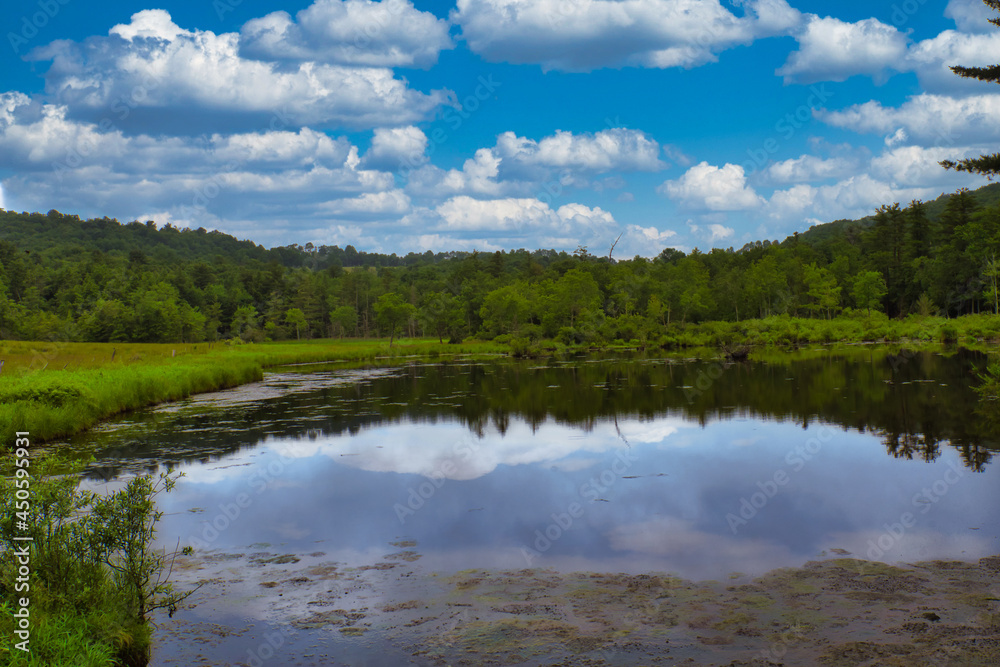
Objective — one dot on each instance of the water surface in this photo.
(630, 464)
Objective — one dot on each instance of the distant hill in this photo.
(55, 234)
(988, 195)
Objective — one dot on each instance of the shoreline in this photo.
(63, 402)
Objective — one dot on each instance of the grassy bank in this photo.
(54, 390)
(785, 330)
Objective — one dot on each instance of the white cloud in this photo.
(220, 181)
(926, 119)
(581, 35)
(201, 73)
(933, 58)
(615, 149)
(712, 188)
(719, 232)
(521, 167)
(906, 166)
(378, 204)
(810, 168)
(477, 176)
(791, 203)
(833, 50)
(148, 24)
(970, 15)
(396, 149)
(390, 33)
(853, 197)
(523, 215)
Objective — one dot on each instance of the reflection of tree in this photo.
(913, 401)
(908, 445)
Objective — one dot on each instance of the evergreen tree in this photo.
(987, 165)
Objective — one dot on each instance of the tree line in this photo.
(102, 281)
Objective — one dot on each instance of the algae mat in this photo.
(305, 609)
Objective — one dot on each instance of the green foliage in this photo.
(392, 311)
(94, 575)
(104, 282)
(869, 289)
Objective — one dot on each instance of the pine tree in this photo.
(987, 165)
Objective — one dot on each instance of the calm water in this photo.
(624, 464)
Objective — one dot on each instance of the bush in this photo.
(948, 333)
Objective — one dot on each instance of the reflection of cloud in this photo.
(449, 451)
(678, 540)
(651, 432)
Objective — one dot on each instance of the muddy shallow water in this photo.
(618, 511)
(840, 611)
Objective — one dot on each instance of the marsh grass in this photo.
(53, 390)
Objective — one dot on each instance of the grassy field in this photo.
(54, 390)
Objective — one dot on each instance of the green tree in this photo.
(344, 319)
(245, 323)
(822, 290)
(391, 311)
(506, 309)
(991, 276)
(869, 290)
(441, 313)
(295, 317)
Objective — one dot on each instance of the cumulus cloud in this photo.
(152, 65)
(587, 34)
(932, 59)
(926, 119)
(853, 197)
(833, 50)
(616, 149)
(519, 166)
(397, 148)
(392, 203)
(970, 15)
(908, 166)
(72, 165)
(502, 216)
(390, 33)
(711, 188)
(810, 168)
(148, 24)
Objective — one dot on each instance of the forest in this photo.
(63, 278)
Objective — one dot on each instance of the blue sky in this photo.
(403, 126)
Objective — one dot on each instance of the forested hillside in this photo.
(99, 280)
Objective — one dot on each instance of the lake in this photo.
(327, 500)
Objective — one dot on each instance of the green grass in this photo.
(56, 390)
(782, 330)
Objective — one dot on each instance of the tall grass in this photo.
(54, 390)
